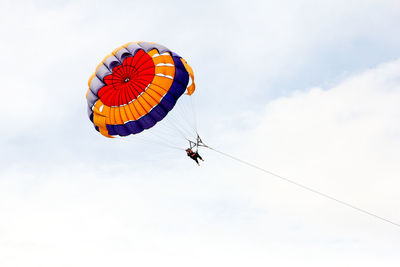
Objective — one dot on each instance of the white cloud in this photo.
(343, 141)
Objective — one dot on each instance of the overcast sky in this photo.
(309, 90)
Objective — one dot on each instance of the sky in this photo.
(305, 89)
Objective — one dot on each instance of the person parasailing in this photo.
(194, 155)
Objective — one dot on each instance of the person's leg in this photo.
(200, 157)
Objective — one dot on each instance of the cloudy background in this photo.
(305, 89)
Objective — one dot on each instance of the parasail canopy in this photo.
(135, 87)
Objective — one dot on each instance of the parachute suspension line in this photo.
(161, 144)
(167, 137)
(307, 188)
(152, 135)
(177, 128)
(190, 112)
(182, 111)
(163, 133)
(192, 100)
(160, 136)
(178, 119)
(186, 112)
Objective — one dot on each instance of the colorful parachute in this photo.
(135, 87)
